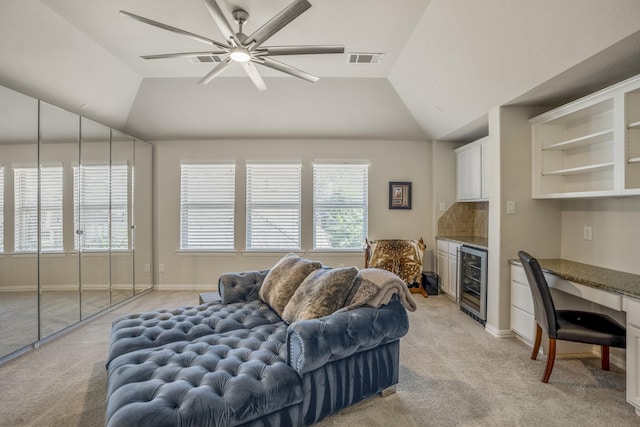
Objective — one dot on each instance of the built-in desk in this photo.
(613, 289)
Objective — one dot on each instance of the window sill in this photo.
(204, 252)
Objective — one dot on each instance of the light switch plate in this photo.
(588, 235)
(511, 207)
(443, 206)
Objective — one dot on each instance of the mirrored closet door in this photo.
(71, 195)
(18, 183)
(59, 277)
(92, 206)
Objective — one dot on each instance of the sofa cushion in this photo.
(283, 280)
(156, 328)
(224, 379)
(321, 293)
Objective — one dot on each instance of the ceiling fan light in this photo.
(240, 54)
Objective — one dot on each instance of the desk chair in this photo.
(568, 325)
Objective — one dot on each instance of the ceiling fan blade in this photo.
(278, 22)
(254, 75)
(183, 55)
(221, 21)
(175, 30)
(300, 50)
(217, 70)
(277, 65)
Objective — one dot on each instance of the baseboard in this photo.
(185, 287)
(498, 333)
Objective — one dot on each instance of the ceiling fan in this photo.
(243, 49)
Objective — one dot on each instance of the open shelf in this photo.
(594, 138)
(634, 125)
(580, 169)
(634, 160)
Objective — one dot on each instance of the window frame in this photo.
(221, 211)
(363, 204)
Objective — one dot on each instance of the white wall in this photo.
(616, 232)
(535, 227)
(389, 161)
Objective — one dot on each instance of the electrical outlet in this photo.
(511, 207)
(161, 268)
(147, 268)
(587, 232)
(443, 206)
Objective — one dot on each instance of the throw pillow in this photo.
(283, 280)
(322, 293)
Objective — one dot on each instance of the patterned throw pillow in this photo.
(402, 257)
(283, 280)
(322, 293)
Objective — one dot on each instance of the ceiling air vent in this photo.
(365, 58)
(205, 59)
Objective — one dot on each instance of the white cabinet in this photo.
(471, 166)
(633, 353)
(523, 320)
(590, 147)
(447, 265)
(442, 267)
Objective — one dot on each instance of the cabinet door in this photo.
(443, 270)
(453, 270)
(633, 353)
(468, 171)
(484, 148)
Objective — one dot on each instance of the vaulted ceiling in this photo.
(446, 64)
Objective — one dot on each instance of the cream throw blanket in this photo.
(376, 288)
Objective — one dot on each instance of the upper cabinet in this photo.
(471, 167)
(590, 147)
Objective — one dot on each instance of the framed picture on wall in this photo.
(399, 195)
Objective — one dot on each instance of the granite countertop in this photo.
(479, 242)
(618, 282)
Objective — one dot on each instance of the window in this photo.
(340, 205)
(273, 206)
(207, 202)
(26, 209)
(1, 208)
(98, 199)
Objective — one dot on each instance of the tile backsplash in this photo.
(465, 219)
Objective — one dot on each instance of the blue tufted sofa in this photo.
(238, 363)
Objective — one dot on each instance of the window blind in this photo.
(100, 197)
(340, 205)
(273, 206)
(207, 204)
(26, 209)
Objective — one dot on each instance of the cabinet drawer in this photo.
(442, 245)
(453, 248)
(518, 274)
(521, 297)
(524, 324)
(633, 311)
(607, 299)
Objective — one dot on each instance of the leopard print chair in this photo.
(402, 257)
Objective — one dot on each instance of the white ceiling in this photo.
(446, 64)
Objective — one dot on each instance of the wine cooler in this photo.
(473, 282)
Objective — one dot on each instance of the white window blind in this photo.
(273, 206)
(207, 204)
(26, 209)
(340, 205)
(99, 198)
(1, 208)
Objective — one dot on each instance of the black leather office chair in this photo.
(568, 325)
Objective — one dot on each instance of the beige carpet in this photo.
(452, 374)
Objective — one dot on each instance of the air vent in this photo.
(365, 58)
(205, 59)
